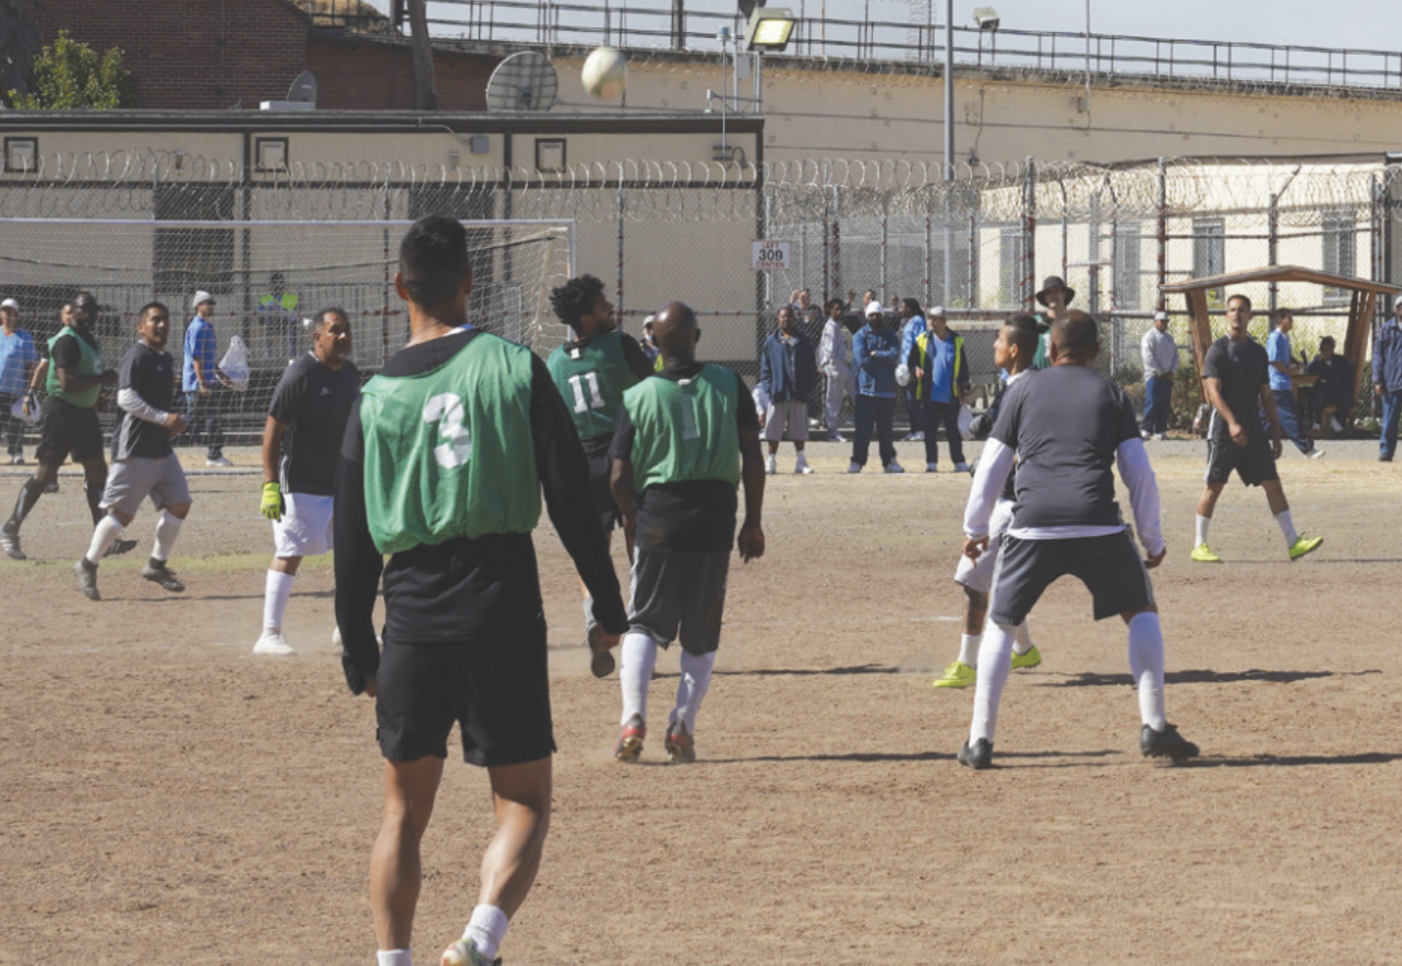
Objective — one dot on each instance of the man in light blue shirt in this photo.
(1283, 373)
(201, 380)
(912, 327)
(18, 358)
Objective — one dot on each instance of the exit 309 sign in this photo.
(769, 255)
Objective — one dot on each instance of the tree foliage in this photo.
(70, 75)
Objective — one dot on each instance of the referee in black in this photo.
(1067, 427)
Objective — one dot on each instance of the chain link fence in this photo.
(979, 244)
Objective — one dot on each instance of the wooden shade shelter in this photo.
(1363, 297)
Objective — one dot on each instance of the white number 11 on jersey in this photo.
(595, 400)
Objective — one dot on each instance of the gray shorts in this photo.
(786, 420)
(1109, 566)
(679, 593)
(132, 480)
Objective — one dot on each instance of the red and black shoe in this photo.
(630, 741)
(680, 745)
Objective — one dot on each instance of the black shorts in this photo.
(1109, 566)
(68, 430)
(498, 689)
(679, 594)
(600, 473)
(1254, 462)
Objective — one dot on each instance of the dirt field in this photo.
(167, 798)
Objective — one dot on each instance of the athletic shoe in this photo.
(932, 467)
(852, 467)
(681, 747)
(979, 757)
(957, 675)
(16, 460)
(1384, 457)
(961, 467)
(1032, 658)
(893, 467)
(630, 741)
(803, 469)
(158, 573)
(120, 547)
(1314, 453)
(1161, 437)
(1335, 425)
(87, 580)
(9, 542)
(272, 644)
(218, 461)
(1202, 553)
(836, 437)
(910, 437)
(771, 466)
(1146, 434)
(52, 487)
(1304, 545)
(601, 661)
(463, 953)
(1167, 743)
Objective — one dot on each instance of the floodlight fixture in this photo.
(769, 29)
(986, 18)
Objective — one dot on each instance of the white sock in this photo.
(1202, 524)
(695, 680)
(395, 957)
(486, 929)
(995, 657)
(968, 649)
(167, 529)
(108, 529)
(278, 589)
(802, 459)
(1022, 639)
(639, 654)
(1146, 666)
(1287, 527)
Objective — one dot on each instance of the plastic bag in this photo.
(19, 412)
(903, 374)
(761, 403)
(966, 421)
(234, 365)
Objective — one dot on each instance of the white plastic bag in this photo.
(761, 402)
(966, 421)
(903, 374)
(234, 365)
(17, 411)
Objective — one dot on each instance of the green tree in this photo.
(70, 75)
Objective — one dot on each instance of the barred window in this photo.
(1340, 237)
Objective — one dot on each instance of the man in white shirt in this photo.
(835, 360)
(1160, 354)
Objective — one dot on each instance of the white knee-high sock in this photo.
(167, 529)
(1022, 639)
(394, 957)
(635, 673)
(108, 529)
(691, 689)
(1287, 527)
(1146, 665)
(486, 929)
(968, 649)
(1202, 524)
(278, 589)
(995, 657)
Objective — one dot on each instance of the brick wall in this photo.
(367, 75)
(190, 54)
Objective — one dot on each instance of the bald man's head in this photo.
(1076, 338)
(675, 331)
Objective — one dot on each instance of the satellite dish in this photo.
(303, 89)
(525, 81)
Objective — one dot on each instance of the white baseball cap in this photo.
(937, 310)
(200, 296)
(1397, 301)
(874, 308)
(1160, 316)
(9, 304)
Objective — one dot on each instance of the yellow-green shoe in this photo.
(1032, 658)
(957, 675)
(1202, 553)
(1304, 545)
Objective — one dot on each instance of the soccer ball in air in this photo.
(605, 72)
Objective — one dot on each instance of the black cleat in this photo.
(87, 579)
(979, 757)
(120, 547)
(9, 542)
(1167, 743)
(158, 573)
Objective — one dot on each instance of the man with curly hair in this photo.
(591, 374)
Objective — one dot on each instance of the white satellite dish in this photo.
(525, 81)
(303, 89)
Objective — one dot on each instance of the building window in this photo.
(1210, 255)
(21, 155)
(270, 154)
(1127, 268)
(1340, 235)
(1012, 266)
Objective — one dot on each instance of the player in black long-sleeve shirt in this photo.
(445, 457)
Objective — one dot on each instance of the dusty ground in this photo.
(167, 798)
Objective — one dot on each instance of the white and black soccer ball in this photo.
(605, 73)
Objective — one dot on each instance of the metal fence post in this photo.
(621, 200)
(1093, 252)
(836, 238)
(828, 293)
(1163, 235)
(1273, 250)
(928, 254)
(881, 247)
(1029, 236)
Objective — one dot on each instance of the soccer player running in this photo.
(143, 462)
(1013, 352)
(74, 382)
(591, 374)
(445, 456)
(686, 439)
(1236, 381)
(1067, 427)
(301, 439)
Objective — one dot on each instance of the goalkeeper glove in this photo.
(272, 501)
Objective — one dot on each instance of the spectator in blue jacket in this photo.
(940, 376)
(876, 350)
(1387, 378)
(788, 371)
(912, 328)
